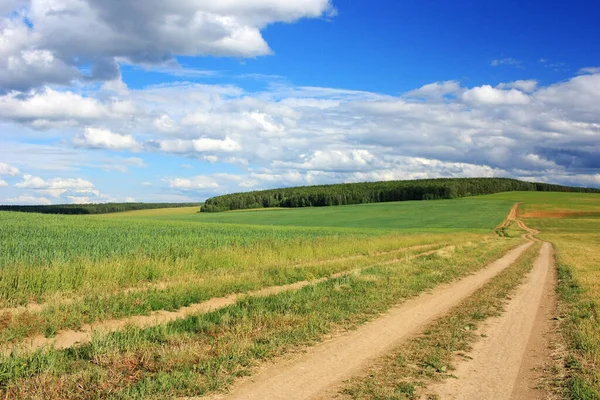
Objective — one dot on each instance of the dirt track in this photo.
(504, 364)
(317, 373)
(69, 338)
(162, 285)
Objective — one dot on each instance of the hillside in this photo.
(377, 192)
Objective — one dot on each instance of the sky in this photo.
(178, 101)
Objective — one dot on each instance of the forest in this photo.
(103, 208)
(377, 192)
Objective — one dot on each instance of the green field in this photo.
(62, 272)
(469, 214)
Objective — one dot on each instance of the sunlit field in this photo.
(90, 275)
(61, 273)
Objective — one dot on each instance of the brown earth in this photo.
(317, 374)
(560, 214)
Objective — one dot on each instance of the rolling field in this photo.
(174, 303)
(468, 214)
(61, 274)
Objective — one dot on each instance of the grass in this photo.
(88, 269)
(204, 353)
(432, 356)
(468, 214)
(47, 254)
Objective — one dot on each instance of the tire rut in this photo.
(70, 338)
(506, 364)
(316, 374)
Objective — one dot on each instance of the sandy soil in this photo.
(507, 363)
(69, 338)
(317, 373)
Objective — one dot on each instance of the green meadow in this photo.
(59, 272)
(468, 214)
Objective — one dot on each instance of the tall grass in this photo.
(206, 352)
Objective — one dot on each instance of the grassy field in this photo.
(61, 272)
(469, 214)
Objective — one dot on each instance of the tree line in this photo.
(377, 192)
(104, 208)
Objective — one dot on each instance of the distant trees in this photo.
(104, 208)
(376, 192)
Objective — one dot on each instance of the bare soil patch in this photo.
(560, 214)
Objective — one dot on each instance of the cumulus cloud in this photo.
(29, 200)
(53, 105)
(6, 169)
(3, 183)
(94, 138)
(435, 90)
(288, 135)
(56, 186)
(487, 95)
(50, 41)
(526, 86)
(200, 145)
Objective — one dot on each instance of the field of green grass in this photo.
(62, 272)
(59, 273)
(468, 214)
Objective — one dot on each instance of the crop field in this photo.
(175, 303)
(468, 214)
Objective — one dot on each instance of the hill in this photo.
(377, 192)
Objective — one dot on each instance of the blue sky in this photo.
(180, 101)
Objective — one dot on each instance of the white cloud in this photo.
(526, 86)
(590, 70)
(56, 187)
(290, 135)
(95, 138)
(79, 199)
(26, 200)
(505, 61)
(201, 145)
(6, 169)
(435, 90)
(199, 182)
(3, 183)
(52, 105)
(129, 200)
(64, 36)
(487, 95)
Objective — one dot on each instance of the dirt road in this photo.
(317, 373)
(506, 363)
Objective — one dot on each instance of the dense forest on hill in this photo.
(104, 208)
(377, 192)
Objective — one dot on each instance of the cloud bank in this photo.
(59, 42)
